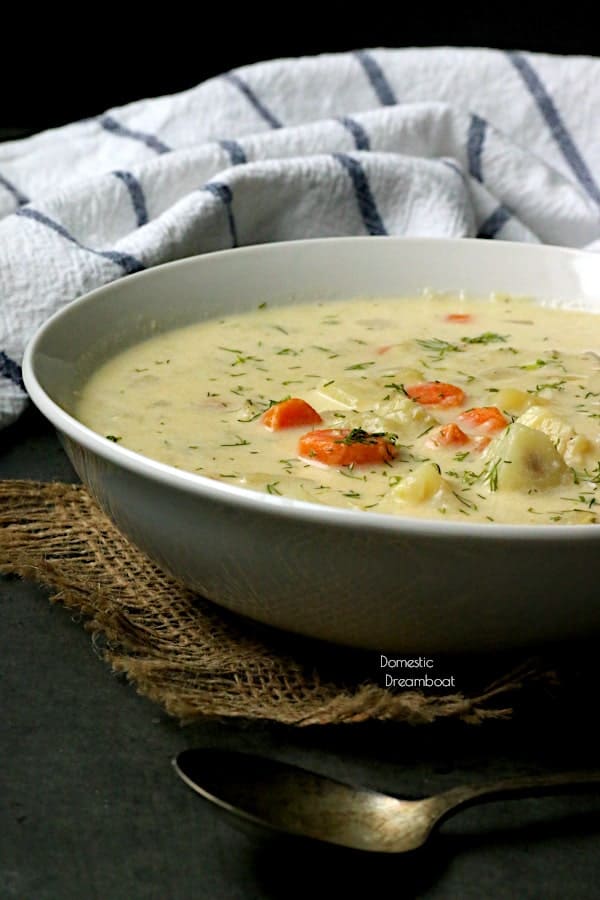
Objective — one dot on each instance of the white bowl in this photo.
(358, 578)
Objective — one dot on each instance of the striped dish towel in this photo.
(440, 141)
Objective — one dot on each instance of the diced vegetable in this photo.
(349, 392)
(400, 415)
(523, 459)
(448, 436)
(512, 399)
(460, 318)
(290, 413)
(486, 419)
(573, 447)
(435, 393)
(421, 485)
(346, 447)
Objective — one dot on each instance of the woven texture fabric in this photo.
(198, 660)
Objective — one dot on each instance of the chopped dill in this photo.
(439, 347)
(488, 337)
(360, 436)
(359, 366)
(240, 442)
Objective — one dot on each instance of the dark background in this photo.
(56, 70)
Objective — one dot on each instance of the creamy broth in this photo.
(194, 398)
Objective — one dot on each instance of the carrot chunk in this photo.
(486, 419)
(448, 436)
(458, 317)
(435, 393)
(346, 447)
(290, 414)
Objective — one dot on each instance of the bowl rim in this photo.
(284, 507)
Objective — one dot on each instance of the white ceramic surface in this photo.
(363, 579)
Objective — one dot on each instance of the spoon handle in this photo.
(520, 786)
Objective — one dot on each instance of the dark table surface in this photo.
(92, 809)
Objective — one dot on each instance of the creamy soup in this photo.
(434, 406)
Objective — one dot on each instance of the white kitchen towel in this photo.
(430, 141)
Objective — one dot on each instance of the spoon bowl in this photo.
(286, 799)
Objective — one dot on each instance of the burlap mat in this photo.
(197, 660)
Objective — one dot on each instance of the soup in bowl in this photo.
(388, 443)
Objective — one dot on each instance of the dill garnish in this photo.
(439, 347)
(359, 366)
(360, 436)
(241, 442)
(397, 387)
(492, 476)
(488, 337)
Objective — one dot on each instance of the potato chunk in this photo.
(348, 392)
(522, 459)
(421, 485)
(404, 417)
(512, 400)
(571, 445)
(398, 415)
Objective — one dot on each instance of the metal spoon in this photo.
(286, 799)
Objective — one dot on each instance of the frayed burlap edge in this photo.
(185, 653)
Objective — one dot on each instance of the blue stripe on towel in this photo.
(494, 223)
(128, 263)
(361, 138)
(11, 370)
(223, 192)
(453, 166)
(137, 196)
(366, 202)
(475, 142)
(252, 99)
(555, 123)
(376, 76)
(14, 190)
(236, 152)
(150, 140)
